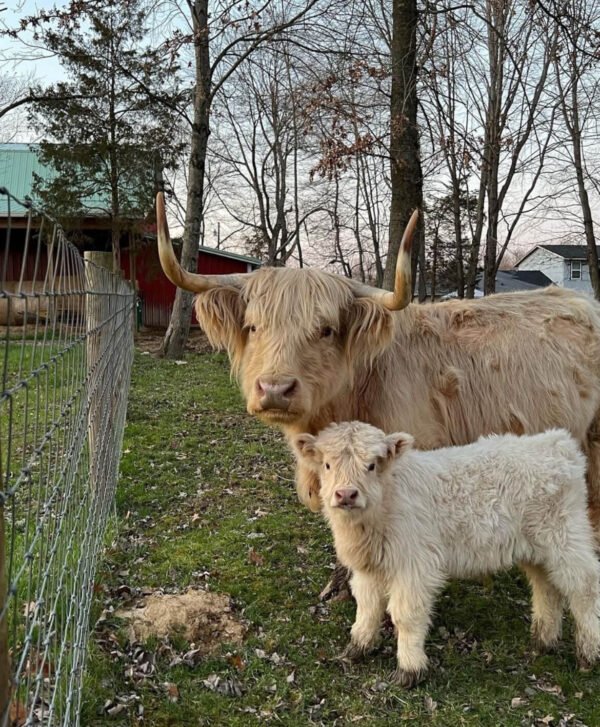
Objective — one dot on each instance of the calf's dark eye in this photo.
(371, 467)
(327, 466)
(326, 332)
(253, 329)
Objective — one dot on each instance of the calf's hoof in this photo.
(544, 640)
(408, 679)
(585, 663)
(355, 652)
(541, 646)
(587, 652)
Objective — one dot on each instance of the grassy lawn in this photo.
(206, 498)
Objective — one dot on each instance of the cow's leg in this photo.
(592, 450)
(338, 586)
(308, 487)
(370, 608)
(546, 608)
(410, 606)
(574, 571)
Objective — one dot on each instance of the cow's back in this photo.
(516, 362)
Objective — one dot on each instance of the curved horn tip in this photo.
(160, 204)
(409, 231)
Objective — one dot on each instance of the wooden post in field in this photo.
(5, 675)
(98, 285)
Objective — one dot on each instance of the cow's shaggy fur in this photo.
(447, 372)
(405, 521)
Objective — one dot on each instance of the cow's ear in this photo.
(306, 450)
(220, 313)
(370, 328)
(397, 444)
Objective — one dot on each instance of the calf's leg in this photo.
(370, 608)
(410, 607)
(547, 608)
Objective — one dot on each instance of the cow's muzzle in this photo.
(275, 393)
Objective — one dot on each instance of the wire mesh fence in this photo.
(67, 345)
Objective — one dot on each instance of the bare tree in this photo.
(232, 33)
(490, 113)
(267, 189)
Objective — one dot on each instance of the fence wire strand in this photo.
(67, 347)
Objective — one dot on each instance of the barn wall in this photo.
(156, 292)
(14, 259)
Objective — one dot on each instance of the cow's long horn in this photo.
(182, 278)
(401, 296)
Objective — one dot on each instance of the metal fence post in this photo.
(4, 656)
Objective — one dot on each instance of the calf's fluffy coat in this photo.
(404, 521)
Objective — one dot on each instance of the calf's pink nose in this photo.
(346, 496)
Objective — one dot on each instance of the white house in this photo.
(509, 281)
(565, 265)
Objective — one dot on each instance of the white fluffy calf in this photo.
(405, 521)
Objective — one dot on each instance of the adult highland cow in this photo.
(310, 348)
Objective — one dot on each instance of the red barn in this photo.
(156, 293)
(139, 251)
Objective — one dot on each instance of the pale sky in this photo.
(24, 57)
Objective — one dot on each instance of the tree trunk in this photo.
(588, 223)
(460, 266)
(406, 175)
(588, 226)
(496, 14)
(179, 326)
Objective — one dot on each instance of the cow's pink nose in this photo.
(346, 496)
(275, 393)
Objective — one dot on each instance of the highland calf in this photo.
(405, 521)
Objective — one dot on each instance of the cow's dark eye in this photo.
(371, 467)
(253, 329)
(327, 467)
(326, 331)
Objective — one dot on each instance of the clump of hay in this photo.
(201, 617)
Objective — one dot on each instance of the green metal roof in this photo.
(233, 255)
(17, 165)
(18, 162)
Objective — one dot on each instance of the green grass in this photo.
(195, 471)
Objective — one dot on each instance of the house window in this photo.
(575, 270)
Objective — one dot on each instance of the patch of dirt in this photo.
(201, 617)
(150, 339)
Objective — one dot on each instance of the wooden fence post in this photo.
(97, 312)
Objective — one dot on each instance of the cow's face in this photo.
(295, 338)
(352, 460)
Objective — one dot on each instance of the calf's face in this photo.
(351, 460)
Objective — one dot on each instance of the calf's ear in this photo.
(305, 449)
(220, 312)
(398, 443)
